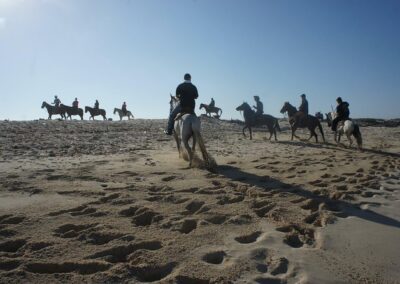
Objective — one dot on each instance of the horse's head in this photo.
(287, 107)
(173, 102)
(86, 109)
(201, 106)
(44, 104)
(244, 106)
(284, 107)
(115, 110)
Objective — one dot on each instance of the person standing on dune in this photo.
(187, 94)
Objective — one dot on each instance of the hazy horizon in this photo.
(138, 51)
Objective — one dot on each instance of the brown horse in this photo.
(95, 112)
(295, 121)
(53, 110)
(251, 120)
(211, 109)
(72, 111)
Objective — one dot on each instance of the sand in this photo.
(111, 202)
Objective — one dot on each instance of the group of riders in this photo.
(75, 104)
(187, 93)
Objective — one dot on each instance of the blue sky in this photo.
(138, 51)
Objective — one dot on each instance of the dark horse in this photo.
(95, 112)
(251, 120)
(211, 109)
(71, 111)
(53, 110)
(311, 122)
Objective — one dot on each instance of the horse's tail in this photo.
(276, 126)
(320, 130)
(357, 135)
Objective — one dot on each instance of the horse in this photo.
(122, 114)
(211, 109)
(251, 120)
(186, 126)
(95, 112)
(72, 111)
(53, 110)
(311, 122)
(347, 127)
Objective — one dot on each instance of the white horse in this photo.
(188, 126)
(348, 127)
(122, 114)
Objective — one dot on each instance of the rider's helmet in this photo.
(55, 96)
(339, 100)
(187, 77)
(76, 99)
(256, 98)
(303, 95)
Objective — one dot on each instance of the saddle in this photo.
(183, 112)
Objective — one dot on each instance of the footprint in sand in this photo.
(216, 257)
(118, 254)
(152, 272)
(248, 239)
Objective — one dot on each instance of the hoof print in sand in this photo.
(11, 220)
(278, 266)
(9, 264)
(261, 208)
(248, 239)
(188, 226)
(12, 245)
(216, 257)
(67, 267)
(71, 230)
(120, 253)
(190, 280)
(151, 273)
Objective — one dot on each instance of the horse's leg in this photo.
(243, 131)
(194, 143)
(185, 141)
(271, 132)
(350, 140)
(251, 133)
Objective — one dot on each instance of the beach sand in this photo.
(94, 201)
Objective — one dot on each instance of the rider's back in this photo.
(187, 93)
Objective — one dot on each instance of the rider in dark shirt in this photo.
(124, 110)
(259, 107)
(186, 93)
(342, 112)
(96, 104)
(303, 109)
(212, 103)
(75, 104)
(57, 101)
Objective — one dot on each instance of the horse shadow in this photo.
(346, 209)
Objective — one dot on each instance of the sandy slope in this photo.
(111, 202)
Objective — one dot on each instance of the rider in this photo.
(303, 108)
(57, 101)
(186, 92)
(212, 103)
(75, 104)
(124, 110)
(258, 107)
(96, 105)
(342, 112)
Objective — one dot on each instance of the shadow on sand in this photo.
(268, 183)
(334, 146)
